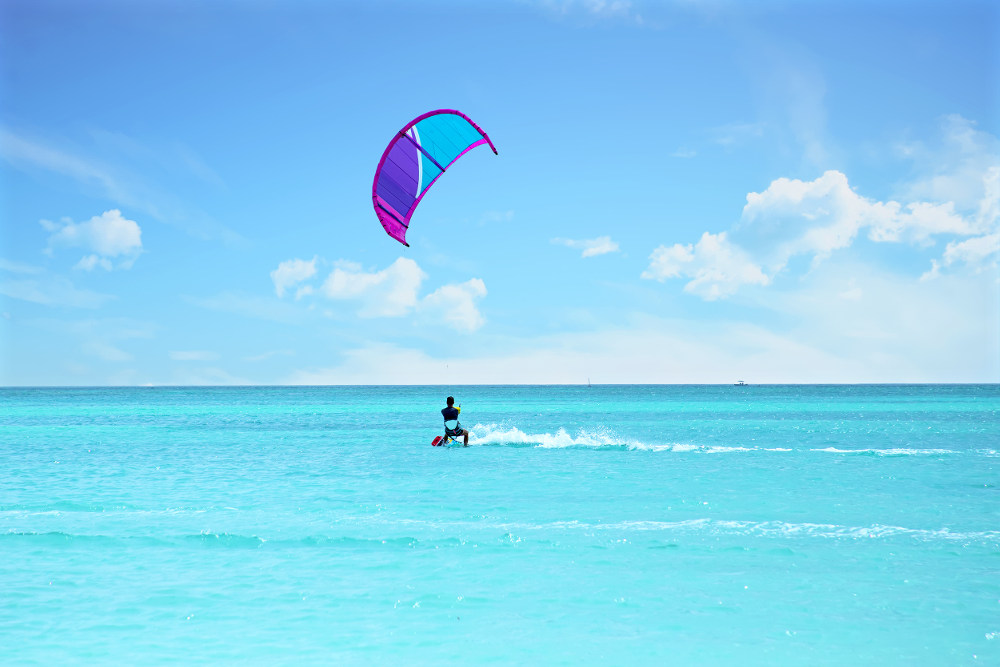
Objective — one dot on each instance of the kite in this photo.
(414, 159)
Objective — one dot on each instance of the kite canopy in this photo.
(413, 161)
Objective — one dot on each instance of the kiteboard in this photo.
(445, 441)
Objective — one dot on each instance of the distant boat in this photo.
(740, 383)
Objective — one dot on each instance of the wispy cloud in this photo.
(592, 10)
(20, 267)
(24, 153)
(269, 355)
(105, 351)
(249, 305)
(193, 355)
(493, 217)
(954, 167)
(119, 179)
(51, 290)
(790, 86)
(105, 339)
(736, 133)
(194, 376)
(602, 245)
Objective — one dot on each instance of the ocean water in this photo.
(609, 525)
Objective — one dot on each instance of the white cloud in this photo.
(814, 219)
(395, 292)
(988, 213)
(974, 250)
(716, 267)
(292, 272)
(793, 217)
(843, 322)
(602, 245)
(90, 261)
(391, 292)
(455, 305)
(107, 236)
(980, 253)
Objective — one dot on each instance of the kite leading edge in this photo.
(413, 161)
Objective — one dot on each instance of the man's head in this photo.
(451, 401)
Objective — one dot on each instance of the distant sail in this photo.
(413, 161)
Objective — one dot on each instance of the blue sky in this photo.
(684, 192)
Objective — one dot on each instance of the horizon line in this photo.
(501, 384)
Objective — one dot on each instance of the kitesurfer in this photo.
(453, 429)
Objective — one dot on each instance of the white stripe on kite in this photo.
(420, 160)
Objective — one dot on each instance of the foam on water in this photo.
(607, 438)
(600, 438)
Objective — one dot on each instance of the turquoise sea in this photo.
(605, 525)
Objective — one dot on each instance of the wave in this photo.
(722, 527)
(511, 533)
(57, 506)
(208, 539)
(894, 451)
(787, 529)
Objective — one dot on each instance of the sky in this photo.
(685, 192)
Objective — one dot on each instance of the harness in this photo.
(452, 432)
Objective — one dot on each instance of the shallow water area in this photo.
(593, 525)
